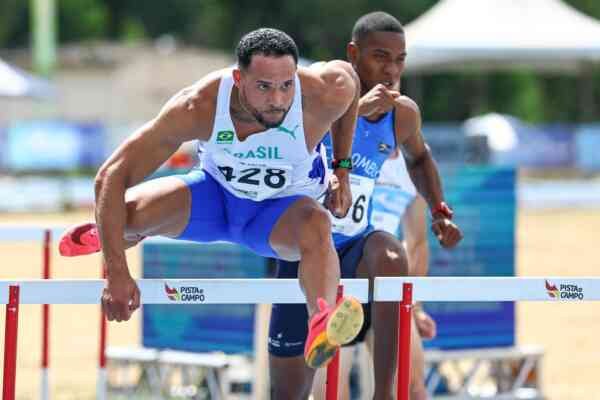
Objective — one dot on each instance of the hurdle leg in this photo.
(404, 326)
(333, 369)
(102, 379)
(10, 343)
(45, 381)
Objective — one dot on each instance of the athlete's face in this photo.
(266, 88)
(379, 58)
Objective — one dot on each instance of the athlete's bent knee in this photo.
(391, 258)
(315, 227)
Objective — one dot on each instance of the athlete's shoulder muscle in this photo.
(407, 110)
(187, 115)
(408, 127)
(329, 87)
(190, 113)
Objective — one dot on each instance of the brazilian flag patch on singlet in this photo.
(225, 137)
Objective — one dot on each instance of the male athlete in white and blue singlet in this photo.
(259, 126)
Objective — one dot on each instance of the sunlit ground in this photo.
(549, 244)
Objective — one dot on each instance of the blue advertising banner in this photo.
(447, 142)
(539, 147)
(587, 145)
(54, 145)
(484, 202)
(2, 147)
(203, 327)
(553, 146)
(94, 151)
(513, 142)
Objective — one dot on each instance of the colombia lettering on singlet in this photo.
(374, 142)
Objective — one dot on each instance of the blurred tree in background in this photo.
(85, 19)
(14, 23)
(321, 28)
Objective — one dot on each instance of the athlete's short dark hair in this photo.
(267, 42)
(377, 21)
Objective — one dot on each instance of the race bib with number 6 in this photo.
(357, 218)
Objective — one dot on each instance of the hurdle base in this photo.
(45, 384)
(102, 384)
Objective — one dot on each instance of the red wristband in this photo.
(442, 209)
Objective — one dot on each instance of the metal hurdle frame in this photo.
(34, 233)
(153, 291)
(257, 291)
(410, 290)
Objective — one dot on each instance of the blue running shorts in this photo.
(217, 215)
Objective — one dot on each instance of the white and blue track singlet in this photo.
(270, 164)
(394, 191)
(374, 142)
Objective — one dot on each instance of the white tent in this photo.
(17, 83)
(500, 34)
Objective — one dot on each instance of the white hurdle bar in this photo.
(490, 289)
(182, 291)
(407, 290)
(153, 291)
(266, 291)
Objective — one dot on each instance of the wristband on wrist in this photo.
(442, 209)
(342, 163)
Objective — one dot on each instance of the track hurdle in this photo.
(409, 290)
(102, 378)
(32, 233)
(45, 362)
(153, 291)
(255, 291)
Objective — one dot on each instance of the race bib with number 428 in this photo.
(357, 218)
(255, 181)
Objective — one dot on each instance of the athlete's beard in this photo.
(258, 116)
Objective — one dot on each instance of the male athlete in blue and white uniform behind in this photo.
(401, 211)
(388, 121)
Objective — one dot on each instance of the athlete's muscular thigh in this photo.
(305, 223)
(158, 207)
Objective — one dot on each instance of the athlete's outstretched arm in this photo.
(419, 161)
(422, 168)
(140, 155)
(343, 95)
(346, 86)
